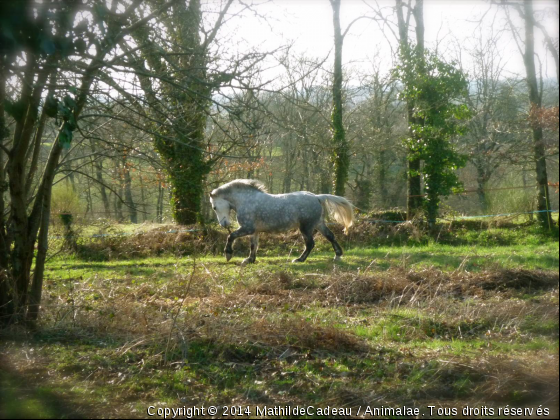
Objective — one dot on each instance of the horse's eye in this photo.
(214, 208)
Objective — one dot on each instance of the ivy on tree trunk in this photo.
(180, 140)
(341, 154)
(414, 180)
(437, 90)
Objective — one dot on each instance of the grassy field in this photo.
(466, 319)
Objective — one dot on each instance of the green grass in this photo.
(445, 257)
(419, 324)
(448, 257)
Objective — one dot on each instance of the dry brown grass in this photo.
(519, 279)
(300, 335)
(195, 239)
(409, 286)
(394, 287)
(163, 239)
(265, 312)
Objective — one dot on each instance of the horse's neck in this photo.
(238, 198)
(234, 199)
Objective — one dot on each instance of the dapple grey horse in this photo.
(257, 211)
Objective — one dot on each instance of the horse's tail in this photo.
(339, 208)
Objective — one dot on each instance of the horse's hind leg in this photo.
(327, 233)
(307, 233)
(254, 247)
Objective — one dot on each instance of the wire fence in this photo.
(485, 190)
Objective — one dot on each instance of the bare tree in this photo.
(493, 139)
(48, 66)
(180, 66)
(535, 104)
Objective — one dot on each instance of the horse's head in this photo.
(222, 209)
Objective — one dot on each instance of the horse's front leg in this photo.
(242, 231)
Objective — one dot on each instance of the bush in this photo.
(65, 200)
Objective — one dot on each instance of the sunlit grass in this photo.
(445, 257)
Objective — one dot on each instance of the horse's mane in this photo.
(240, 184)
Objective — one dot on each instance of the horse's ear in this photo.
(212, 195)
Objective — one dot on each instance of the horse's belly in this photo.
(278, 224)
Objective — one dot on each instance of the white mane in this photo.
(238, 184)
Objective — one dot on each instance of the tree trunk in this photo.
(414, 184)
(287, 183)
(482, 197)
(143, 198)
(35, 293)
(305, 173)
(89, 201)
(39, 222)
(482, 182)
(36, 149)
(363, 192)
(118, 196)
(6, 306)
(21, 254)
(543, 202)
(414, 202)
(159, 205)
(524, 179)
(382, 177)
(70, 179)
(187, 189)
(128, 193)
(183, 155)
(341, 156)
(99, 177)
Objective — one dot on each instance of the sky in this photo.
(449, 24)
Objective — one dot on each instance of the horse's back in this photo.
(280, 212)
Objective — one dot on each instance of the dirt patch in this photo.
(349, 288)
(272, 284)
(427, 284)
(300, 334)
(519, 279)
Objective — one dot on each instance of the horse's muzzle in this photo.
(225, 223)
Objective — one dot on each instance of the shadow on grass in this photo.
(21, 397)
(134, 267)
(268, 374)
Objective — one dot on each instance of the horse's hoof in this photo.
(337, 258)
(247, 261)
(228, 256)
(297, 260)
